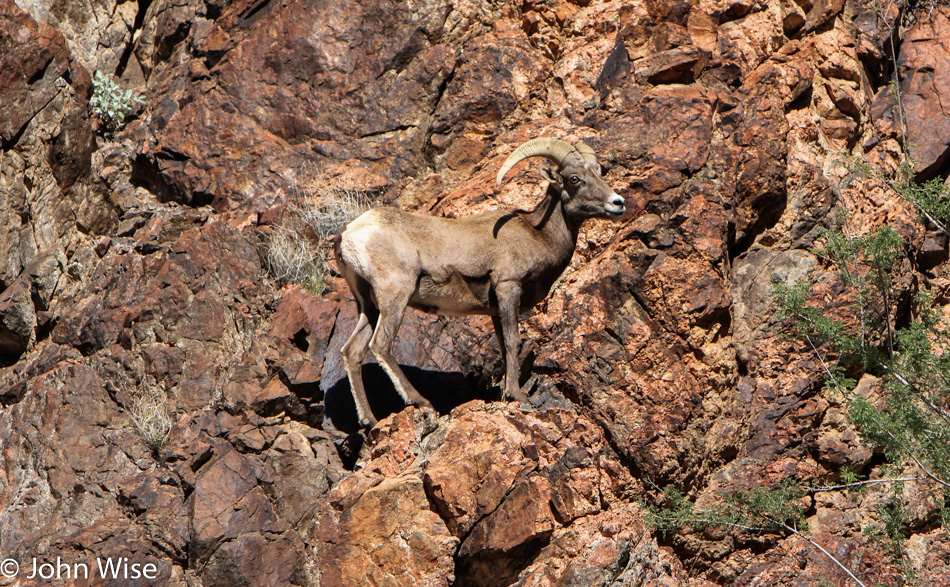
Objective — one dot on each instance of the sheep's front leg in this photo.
(500, 337)
(509, 302)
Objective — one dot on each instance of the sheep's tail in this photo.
(335, 240)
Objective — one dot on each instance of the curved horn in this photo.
(556, 150)
(586, 152)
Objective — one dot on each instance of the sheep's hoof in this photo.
(423, 403)
(516, 395)
(368, 422)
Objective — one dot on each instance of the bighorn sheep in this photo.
(499, 263)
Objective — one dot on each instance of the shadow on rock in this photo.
(445, 390)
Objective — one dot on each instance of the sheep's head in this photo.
(584, 192)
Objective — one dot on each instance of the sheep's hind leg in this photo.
(390, 317)
(353, 353)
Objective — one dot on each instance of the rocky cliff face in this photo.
(163, 400)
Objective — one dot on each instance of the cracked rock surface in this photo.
(163, 399)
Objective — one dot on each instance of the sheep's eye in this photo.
(575, 180)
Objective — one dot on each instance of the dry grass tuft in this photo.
(290, 256)
(151, 418)
(328, 213)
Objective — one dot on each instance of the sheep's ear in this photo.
(553, 176)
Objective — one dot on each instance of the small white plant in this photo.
(110, 103)
(151, 418)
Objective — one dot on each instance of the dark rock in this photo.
(17, 321)
(680, 65)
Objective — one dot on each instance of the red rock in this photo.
(497, 544)
(302, 314)
(214, 256)
(300, 481)
(97, 32)
(103, 541)
(258, 559)
(47, 144)
(875, 35)
(923, 81)
(575, 487)
(33, 55)
(493, 77)
(821, 11)
(599, 549)
(385, 534)
(746, 43)
(467, 486)
(384, 85)
(840, 129)
(839, 445)
(525, 516)
(271, 399)
(555, 496)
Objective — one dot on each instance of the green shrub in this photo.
(775, 510)
(912, 423)
(111, 104)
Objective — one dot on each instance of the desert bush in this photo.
(291, 258)
(912, 423)
(297, 249)
(328, 213)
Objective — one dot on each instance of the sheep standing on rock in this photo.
(499, 264)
